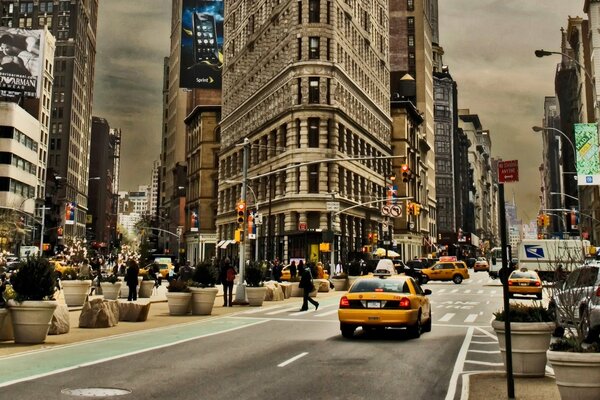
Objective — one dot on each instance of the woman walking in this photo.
(306, 283)
(131, 278)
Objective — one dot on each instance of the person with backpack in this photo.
(227, 277)
(306, 283)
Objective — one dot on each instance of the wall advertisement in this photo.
(201, 44)
(588, 159)
(21, 55)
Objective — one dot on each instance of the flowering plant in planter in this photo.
(108, 278)
(526, 313)
(71, 274)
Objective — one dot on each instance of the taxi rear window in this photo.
(523, 274)
(380, 285)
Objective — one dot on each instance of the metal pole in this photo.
(42, 231)
(240, 293)
(332, 261)
(504, 272)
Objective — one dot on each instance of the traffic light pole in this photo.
(240, 293)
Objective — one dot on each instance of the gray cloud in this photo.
(489, 48)
(132, 40)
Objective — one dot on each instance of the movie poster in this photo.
(201, 44)
(21, 62)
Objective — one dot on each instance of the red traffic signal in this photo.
(241, 212)
(405, 172)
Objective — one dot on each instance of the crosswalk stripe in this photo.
(302, 312)
(447, 317)
(323, 314)
(484, 363)
(471, 318)
(468, 291)
(282, 311)
(485, 351)
(440, 290)
(454, 291)
(479, 291)
(261, 310)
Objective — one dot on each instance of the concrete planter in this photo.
(75, 292)
(31, 320)
(146, 288)
(577, 374)
(255, 295)
(530, 341)
(296, 291)
(203, 300)
(3, 314)
(111, 291)
(179, 302)
(322, 285)
(340, 285)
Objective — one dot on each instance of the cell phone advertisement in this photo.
(201, 44)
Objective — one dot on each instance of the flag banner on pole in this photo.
(392, 194)
(194, 221)
(70, 213)
(588, 159)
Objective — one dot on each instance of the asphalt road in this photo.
(277, 352)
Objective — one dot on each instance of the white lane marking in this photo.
(282, 311)
(302, 312)
(485, 351)
(454, 291)
(464, 393)
(494, 292)
(459, 365)
(260, 309)
(471, 318)
(446, 317)
(468, 291)
(291, 360)
(326, 313)
(484, 363)
(479, 291)
(475, 342)
(440, 290)
(488, 334)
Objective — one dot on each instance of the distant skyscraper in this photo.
(73, 23)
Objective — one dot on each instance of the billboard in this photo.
(21, 55)
(201, 44)
(70, 213)
(588, 159)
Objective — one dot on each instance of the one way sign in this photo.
(508, 171)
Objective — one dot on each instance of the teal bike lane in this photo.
(27, 366)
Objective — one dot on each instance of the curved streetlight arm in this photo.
(549, 128)
(564, 194)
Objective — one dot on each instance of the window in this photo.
(313, 178)
(314, 11)
(299, 12)
(411, 40)
(313, 49)
(299, 94)
(313, 90)
(299, 48)
(410, 22)
(313, 132)
(410, 5)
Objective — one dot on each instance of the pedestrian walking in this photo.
(320, 271)
(131, 278)
(227, 277)
(186, 272)
(293, 269)
(276, 270)
(306, 283)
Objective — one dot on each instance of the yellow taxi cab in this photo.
(481, 264)
(524, 282)
(60, 265)
(455, 271)
(384, 300)
(286, 275)
(164, 266)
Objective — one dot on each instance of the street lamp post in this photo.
(240, 293)
(546, 129)
(256, 214)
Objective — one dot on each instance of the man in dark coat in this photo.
(306, 283)
(131, 278)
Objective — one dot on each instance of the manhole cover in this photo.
(96, 392)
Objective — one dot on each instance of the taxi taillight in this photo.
(510, 283)
(598, 291)
(344, 302)
(405, 302)
(538, 283)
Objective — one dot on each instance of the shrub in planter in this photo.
(205, 275)
(526, 313)
(177, 286)
(34, 280)
(254, 275)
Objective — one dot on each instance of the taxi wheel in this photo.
(347, 331)
(427, 325)
(539, 296)
(457, 279)
(415, 330)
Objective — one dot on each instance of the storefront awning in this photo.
(220, 243)
(226, 243)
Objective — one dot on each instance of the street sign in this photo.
(385, 210)
(395, 211)
(333, 206)
(251, 236)
(302, 226)
(508, 171)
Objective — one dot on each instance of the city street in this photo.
(273, 350)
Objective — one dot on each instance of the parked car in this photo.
(525, 282)
(481, 264)
(455, 271)
(396, 301)
(580, 290)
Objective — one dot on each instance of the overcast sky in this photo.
(489, 48)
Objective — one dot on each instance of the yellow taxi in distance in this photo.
(524, 282)
(385, 300)
(60, 266)
(455, 271)
(481, 265)
(164, 266)
(286, 275)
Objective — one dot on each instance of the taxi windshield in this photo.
(380, 285)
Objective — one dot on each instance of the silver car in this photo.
(579, 295)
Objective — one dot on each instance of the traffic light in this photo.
(546, 220)
(237, 235)
(370, 238)
(540, 220)
(405, 172)
(409, 208)
(375, 238)
(241, 212)
(416, 209)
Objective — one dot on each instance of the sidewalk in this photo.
(484, 386)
